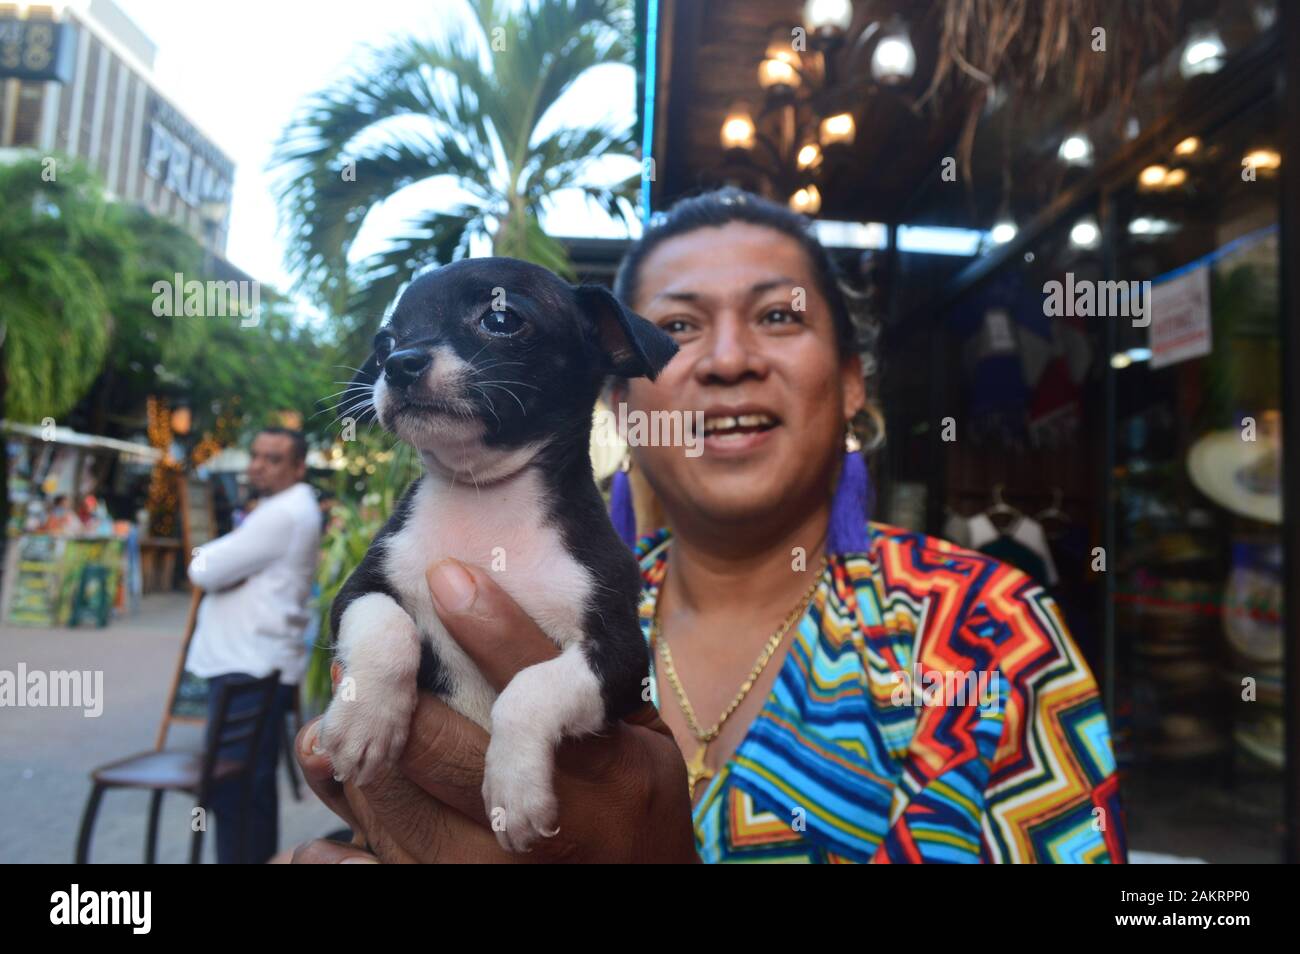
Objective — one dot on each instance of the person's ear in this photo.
(854, 389)
(632, 346)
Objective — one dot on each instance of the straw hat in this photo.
(1243, 476)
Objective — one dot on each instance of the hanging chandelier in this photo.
(812, 76)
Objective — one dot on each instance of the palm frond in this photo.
(62, 243)
(438, 238)
(468, 107)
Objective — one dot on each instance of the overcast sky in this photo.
(240, 68)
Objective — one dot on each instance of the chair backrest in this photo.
(241, 711)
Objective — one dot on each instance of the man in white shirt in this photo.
(258, 580)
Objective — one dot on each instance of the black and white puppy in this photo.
(490, 368)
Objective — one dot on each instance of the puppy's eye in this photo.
(502, 324)
(383, 346)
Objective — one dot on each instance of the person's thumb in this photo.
(486, 622)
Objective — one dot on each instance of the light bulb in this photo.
(774, 72)
(894, 60)
(738, 129)
(807, 200)
(839, 128)
(1085, 234)
(1003, 231)
(1076, 150)
(1204, 51)
(828, 17)
(1267, 159)
(1153, 177)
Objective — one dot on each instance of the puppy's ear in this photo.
(633, 347)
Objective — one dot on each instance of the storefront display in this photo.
(1113, 387)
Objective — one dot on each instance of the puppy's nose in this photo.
(403, 368)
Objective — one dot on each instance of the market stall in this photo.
(69, 562)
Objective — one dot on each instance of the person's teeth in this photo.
(727, 423)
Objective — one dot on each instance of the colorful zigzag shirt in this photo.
(932, 707)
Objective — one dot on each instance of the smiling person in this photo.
(794, 643)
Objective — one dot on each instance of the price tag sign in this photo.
(1180, 318)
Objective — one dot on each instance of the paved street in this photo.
(46, 753)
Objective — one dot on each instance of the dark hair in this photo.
(296, 438)
(722, 207)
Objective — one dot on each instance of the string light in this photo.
(163, 499)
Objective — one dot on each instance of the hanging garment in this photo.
(1023, 545)
(989, 324)
(956, 529)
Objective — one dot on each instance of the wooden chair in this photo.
(161, 771)
(175, 714)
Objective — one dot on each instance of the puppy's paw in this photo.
(365, 735)
(518, 792)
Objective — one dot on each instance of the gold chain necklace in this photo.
(696, 770)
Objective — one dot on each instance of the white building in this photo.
(77, 79)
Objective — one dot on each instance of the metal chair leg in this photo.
(151, 835)
(88, 824)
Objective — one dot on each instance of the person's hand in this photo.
(322, 851)
(622, 796)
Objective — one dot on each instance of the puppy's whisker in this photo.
(522, 384)
(491, 406)
(352, 414)
(357, 405)
(347, 413)
(495, 364)
(493, 384)
(359, 389)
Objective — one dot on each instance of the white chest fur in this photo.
(501, 528)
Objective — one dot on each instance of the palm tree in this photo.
(63, 246)
(469, 109)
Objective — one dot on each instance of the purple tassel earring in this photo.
(851, 504)
(621, 511)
